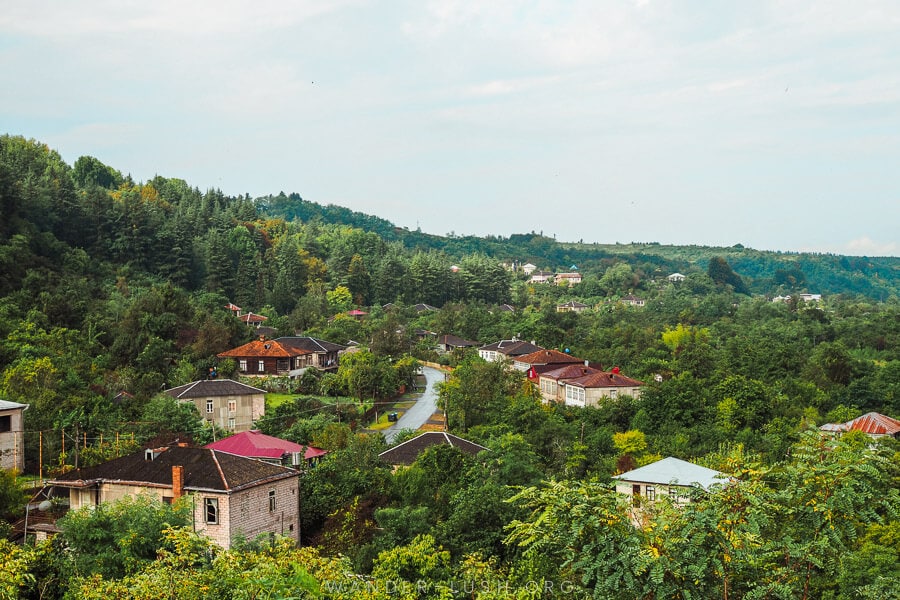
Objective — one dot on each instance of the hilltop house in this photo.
(229, 404)
(569, 279)
(233, 496)
(571, 306)
(632, 300)
(541, 277)
(12, 435)
(675, 277)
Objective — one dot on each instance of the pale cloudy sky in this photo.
(775, 124)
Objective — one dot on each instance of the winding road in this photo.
(422, 410)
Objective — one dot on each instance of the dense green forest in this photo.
(110, 285)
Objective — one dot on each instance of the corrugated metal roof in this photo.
(255, 444)
(674, 471)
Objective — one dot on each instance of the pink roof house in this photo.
(255, 444)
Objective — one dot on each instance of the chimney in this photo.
(586, 363)
(177, 481)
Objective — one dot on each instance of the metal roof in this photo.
(674, 471)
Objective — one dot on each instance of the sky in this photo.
(773, 124)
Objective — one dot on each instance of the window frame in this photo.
(211, 511)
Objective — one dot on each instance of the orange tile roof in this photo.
(263, 348)
(602, 379)
(547, 357)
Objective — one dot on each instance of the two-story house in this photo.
(595, 388)
(229, 404)
(288, 355)
(231, 496)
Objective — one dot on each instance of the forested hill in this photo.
(207, 240)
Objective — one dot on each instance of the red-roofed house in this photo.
(872, 424)
(541, 361)
(552, 383)
(595, 388)
(255, 444)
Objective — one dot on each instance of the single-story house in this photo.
(571, 306)
(224, 402)
(873, 424)
(257, 445)
(450, 342)
(678, 479)
(12, 435)
(675, 277)
(232, 496)
(633, 300)
(529, 268)
(507, 349)
(406, 453)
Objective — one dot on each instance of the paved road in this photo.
(422, 410)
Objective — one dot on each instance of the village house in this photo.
(289, 355)
(535, 363)
(226, 403)
(12, 435)
(259, 446)
(507, 349)
(231, 496)
(632, 300)
(676, 277)
(593, 389)
(873, 424)
(449, 343)
(671, 477)
(552, 382)
(406, 453)
(541, 277)
(569, 279)
(571, 306)
(529, 268)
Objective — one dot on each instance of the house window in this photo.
(574, 395)
(262, 366)
(231, 423)
(209, 406)
(271, 500)
(232, 405)
(242, 365)
(5, 423)
(211, 508)
(650, 492)
(613, 394)
(673, 495)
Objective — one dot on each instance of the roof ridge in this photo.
(219, 467)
